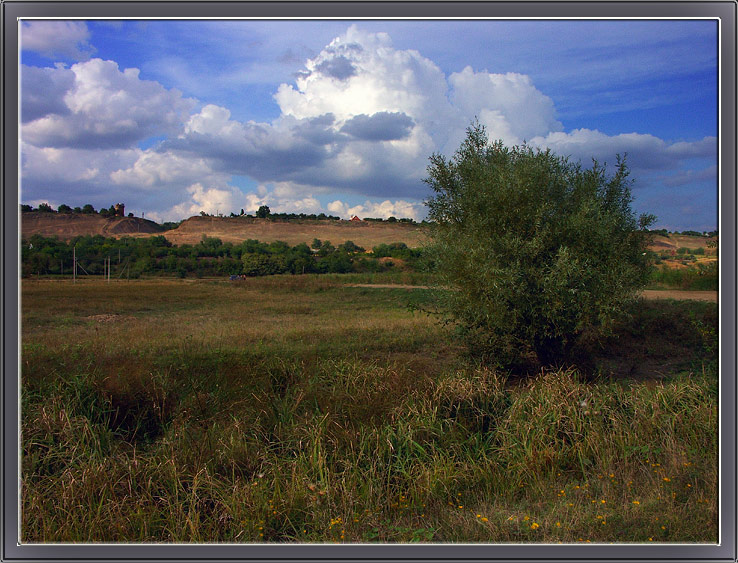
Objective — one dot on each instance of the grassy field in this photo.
(299, 409)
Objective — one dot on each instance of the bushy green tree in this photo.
(263, 212)
(534, 249)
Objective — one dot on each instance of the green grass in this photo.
(691, 278)
(297, 409)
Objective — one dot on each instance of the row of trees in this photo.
(666, 233)
(133, 257)
(86, 209)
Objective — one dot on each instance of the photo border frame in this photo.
(724, 11)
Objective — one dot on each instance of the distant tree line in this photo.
(134, 257)
(265, 213)
(666, 233)
(86, 209)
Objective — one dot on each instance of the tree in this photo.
(26, 208)
(88, 209)
(263, 212)
(46, 208)
(64, 208)
(535, 249)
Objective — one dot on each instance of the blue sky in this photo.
(177, 117)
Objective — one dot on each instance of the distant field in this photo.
(299, 409)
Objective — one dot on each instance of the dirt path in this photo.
(648, 293)
(681, 295)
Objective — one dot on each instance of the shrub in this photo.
(536, 249)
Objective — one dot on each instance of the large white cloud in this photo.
(68, 39)
(103, 107)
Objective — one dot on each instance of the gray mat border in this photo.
(11, 551)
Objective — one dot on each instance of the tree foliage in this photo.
(535, 249)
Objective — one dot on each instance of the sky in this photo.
(175, 117)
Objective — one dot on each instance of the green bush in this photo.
(536, 249)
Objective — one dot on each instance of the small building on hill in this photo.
(355, 218)
(120, 210)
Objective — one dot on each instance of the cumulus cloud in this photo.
(155, 170)
(67, 39)
(383, 210)
(261, 150)
(644, 152)
(508, 105)
(338, 67)
(43, 91)
(382, 126)
(210, 200)
(287, 197)
(78, 174)
(101, 107)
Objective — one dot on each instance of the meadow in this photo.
(303, 409)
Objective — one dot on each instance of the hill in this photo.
(238, 229)
(69, 225)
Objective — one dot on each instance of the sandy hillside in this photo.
(69, 225)
(238, 229)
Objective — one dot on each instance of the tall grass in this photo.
(700, 279)
(298, 410)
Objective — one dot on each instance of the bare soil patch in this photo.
(66, 226)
